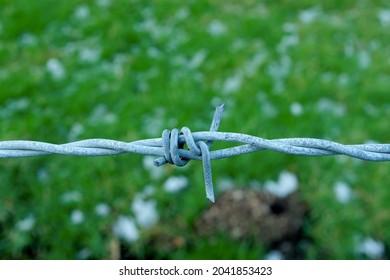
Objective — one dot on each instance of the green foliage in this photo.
(128, 69)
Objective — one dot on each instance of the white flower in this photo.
(224, 184)
(153, 123)
(328, 106)
(364, 59)
(76, 217)
(153, 52)
(342, 192)
(182, 13)
(274, 255)
(384, 17)
(296, 109)
(253, 63)
(83, 254)
(126, 229)
(288, 41)
(101, 115)
(197, 59)
(289, 27)
(232, 84)
(104, 3)
(217, 28)
(372, 248)
(267, 108)
(279, 70)
(28, 39)
(175, 183)
(89, 55)
(309, 15)
(75, 131)
(42, 175)
(286, 184)
(145, 211)
(82, 12)
(26, 224)
(71, 196)
(102, 209)
(55, 68)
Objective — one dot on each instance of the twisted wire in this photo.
(171, 148)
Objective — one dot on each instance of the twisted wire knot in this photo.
(172, 143)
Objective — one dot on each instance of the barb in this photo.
(179, 147)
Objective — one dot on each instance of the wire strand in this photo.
(170, 148)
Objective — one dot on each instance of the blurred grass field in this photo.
(127, 69)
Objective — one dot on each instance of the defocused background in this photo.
(128, 69)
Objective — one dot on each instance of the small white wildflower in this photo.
(217, 28)
(288, 181)
(289, 27)
(287, 42)
(232, 84)
(371, 141)
(71, 196)
(342, 192)
(101, 115)
(17, 105)
(83, 254)
(278, 70)
(153, 123)
(153, 52)
(372, 248)
(182, 13)
(267, 108)
(274, 255)
(89, 55)
(296, 109)
(197, 59)
(42, 175)
(148, 190)
(286, 184)
(371, 110)
(75, 131)
(349, 49)
(26, 224)
(145, 211)
(253, 64)
(344, 79)
(309, 15)
(55, 68)
(328, 106)
(126, 229)
(104, 3)
(77, 217)
(175, 183)
(28, 39)
(384, 17)
(364, 59)
(224, 184)
(82, 12)
(102, 209)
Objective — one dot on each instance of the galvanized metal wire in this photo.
(179, 147)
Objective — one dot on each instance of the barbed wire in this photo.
(179, 147)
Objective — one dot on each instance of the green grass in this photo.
(130, 71)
